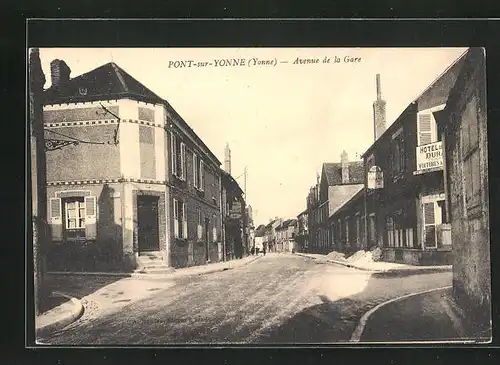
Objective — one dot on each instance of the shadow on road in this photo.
(204, 312)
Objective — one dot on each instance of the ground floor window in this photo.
(433, 216)
(399, 234)
(74, 212)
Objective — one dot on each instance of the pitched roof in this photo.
(333, 172)
(108, 81)
(340, 195)
(229, 181)
(111, 82)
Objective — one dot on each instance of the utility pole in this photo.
(38, 174)
(245, 185)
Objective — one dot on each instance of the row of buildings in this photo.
(420, 191)
(130, 185)
(279, 235)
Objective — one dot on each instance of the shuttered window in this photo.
(75, 214)
(176, 218)
(214, 229)
(184, 232)
(429, 225)
(183, 162)
(195, 170)
(202, 175)
(200, 225)
(173, 152)
(56, 219)
(426, 128)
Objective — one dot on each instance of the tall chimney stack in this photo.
(59, 73)
(378, 112)
(344, 162)
(227, 159)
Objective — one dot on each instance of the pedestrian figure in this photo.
(264, 250)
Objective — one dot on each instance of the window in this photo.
(200, 224)
(347, 230)
(358, 228)
(470, 154)
(180, 222)
(173, 153)
(201, 185)
(178, 160)
(183, 162)
(75, 214)
(390, 232)
(429, 225)
(74, 217)
(195, 170)
(398, 154)
(214, 229)
(372, 229)
(198, 172)
(426, 128)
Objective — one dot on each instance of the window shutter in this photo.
(176, 219)
(202, 175)
(195, 170)
(183, 161)
(56, 219)
(428, 213)
(90, 218)
(424, 129)
(184, 221)
(173, 152)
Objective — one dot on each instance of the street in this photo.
(277, 299)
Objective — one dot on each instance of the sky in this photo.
(282, 119)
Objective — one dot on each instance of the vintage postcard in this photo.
(259, 196)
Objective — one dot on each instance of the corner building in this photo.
(128, 181)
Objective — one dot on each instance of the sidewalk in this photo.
(96, 294)
(175, 273)
(384, 268)
(69, 311)
(432, 316)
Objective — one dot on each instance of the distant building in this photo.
(302, 232)
(260, 236)
(234, 217)
(463, 128)
(337, 184)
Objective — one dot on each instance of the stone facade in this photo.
(464, 126)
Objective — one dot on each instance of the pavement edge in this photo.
(388, 272)
(65, 319)
(358, 332)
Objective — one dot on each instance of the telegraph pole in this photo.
(38, 173)
(245, 185)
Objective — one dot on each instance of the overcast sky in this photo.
(283, 120)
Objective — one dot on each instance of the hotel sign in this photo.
(430, 157)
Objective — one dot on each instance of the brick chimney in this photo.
(59, 73)
(344, 161)
(378, 112)
(227, 159)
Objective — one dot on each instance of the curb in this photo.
(358, 332)
(388, 272)
(230, 265)
(65, 319)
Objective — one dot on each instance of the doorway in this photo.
(147, 223)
